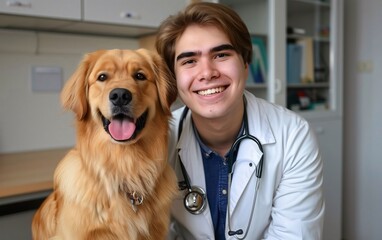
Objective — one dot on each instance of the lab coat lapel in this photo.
(249, 153)
(190, 154)
(244, 169)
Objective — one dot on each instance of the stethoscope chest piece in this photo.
(195, 200)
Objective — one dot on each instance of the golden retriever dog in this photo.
(116, 182)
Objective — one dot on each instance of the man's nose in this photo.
(208, 70)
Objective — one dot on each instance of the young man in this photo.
(275, 189)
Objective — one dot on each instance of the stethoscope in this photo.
(195, 200)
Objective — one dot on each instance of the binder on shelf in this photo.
(307, 60)
(294, 58)
(321, 68)
(258, 69)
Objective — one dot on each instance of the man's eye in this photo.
(190, 61)
(221, 55)
(102, 77)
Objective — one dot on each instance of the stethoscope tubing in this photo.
(236, 144)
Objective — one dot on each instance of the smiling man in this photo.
(246, 168)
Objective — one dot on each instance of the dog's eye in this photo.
(102, 77)
(140, 76)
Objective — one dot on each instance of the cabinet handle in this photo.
(19, 4)
(130, 15)
(278, 86)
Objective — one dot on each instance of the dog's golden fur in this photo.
(96, 181)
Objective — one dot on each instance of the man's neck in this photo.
(219, 134)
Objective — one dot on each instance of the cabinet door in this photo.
(313, 55)
(329, 136)
(145, 13)
(68, 9)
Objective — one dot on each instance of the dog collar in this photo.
(136, 199)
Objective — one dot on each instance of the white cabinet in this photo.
(68, 9)
(329, 135)
(145, 13)
(133, 18)
(318, 22)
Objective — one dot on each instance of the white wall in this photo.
(35, 120)
(363, 124)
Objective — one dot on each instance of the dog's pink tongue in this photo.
(121, 129)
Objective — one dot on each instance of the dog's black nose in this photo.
(120, 96)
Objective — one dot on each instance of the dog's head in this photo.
(120, 90)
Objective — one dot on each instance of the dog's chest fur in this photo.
(104, 201)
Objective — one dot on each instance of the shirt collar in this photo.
(205, 149)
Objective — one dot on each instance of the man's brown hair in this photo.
(203, 13)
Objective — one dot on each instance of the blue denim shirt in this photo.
(216, 176)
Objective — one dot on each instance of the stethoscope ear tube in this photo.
(195, 200)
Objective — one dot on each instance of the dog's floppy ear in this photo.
(74, 94)
(165, 82)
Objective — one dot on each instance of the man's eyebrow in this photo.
(185, 55)
(222, 48)
(214, 49)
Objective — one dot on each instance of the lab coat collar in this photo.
(258, 122)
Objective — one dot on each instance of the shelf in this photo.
(315, 38)
(308, 85)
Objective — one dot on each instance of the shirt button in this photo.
(224, 192)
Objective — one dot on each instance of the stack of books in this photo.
(300, 65)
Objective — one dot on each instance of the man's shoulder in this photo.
(274, 111)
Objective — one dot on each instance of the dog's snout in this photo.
(120, 96)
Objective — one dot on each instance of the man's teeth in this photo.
(211, 91)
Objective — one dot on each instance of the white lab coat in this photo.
(289, 203)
